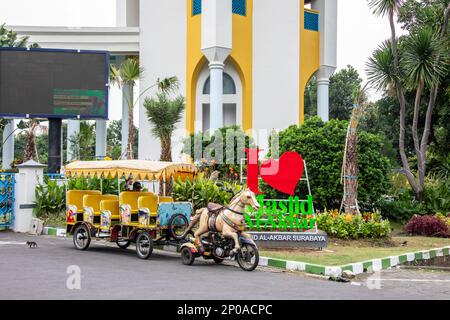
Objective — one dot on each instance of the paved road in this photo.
(108, 272)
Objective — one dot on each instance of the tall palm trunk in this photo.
(130, 133)
(402, 102)
(166, 155)
(30, 147)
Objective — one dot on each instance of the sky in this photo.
(359, 31)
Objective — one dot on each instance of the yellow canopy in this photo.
(138, 169)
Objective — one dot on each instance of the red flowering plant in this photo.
(430, 226)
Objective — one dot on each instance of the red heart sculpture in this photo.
(283, 174)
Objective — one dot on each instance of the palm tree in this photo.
(164, 113)
(8, 38)
(349, 175)
(420, 64)
(30, 129)
(126, 75)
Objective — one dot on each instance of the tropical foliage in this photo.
(418, 63)
(348, 226)
(164, 113)
(342, 86)
(50, 199)
(201, 191)
(229, 144)
(321, 145)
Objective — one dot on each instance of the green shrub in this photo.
(401, 204)
(50, 199)
(196, 145)
(109, 185)
(201, 191)
(366, 225)
(321, 145)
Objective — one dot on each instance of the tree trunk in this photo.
(415, 134)
(29, 151)
(130, 133)
(402, 102)
(351, 173)
(429, 114)
(166, 155)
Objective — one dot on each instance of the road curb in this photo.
(368, 266)
(50, 231)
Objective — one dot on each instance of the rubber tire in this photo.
(253, 267)
(123, 246)
(187, 257)
(218, 260)
(171, 232)
(88, 241)
(140, 237)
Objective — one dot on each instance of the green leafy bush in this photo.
(108, 185)
(201, 149)
(201, 191)
(366, 225)
(50, 199)
(321, 145)
(401, 205)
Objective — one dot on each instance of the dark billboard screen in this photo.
(49, 83)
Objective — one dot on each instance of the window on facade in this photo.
(238, 6)
(228, 85)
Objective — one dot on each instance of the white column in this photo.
(216, 95)
(217, 37)
(73, 129)
(127, 97)
(29, 176)
(8, 145)
(323, 108)
(127, 13)
(328, 52)
(100, 138)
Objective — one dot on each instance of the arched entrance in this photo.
(232, 99)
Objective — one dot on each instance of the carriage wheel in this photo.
(178, 224)
(144, 245)
(187, 257)
(81, 237)
(123, 244)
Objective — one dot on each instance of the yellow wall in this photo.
(309, 57)
(241, 57)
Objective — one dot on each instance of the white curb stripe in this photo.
(394, 261)
(376, 265)
(295, 266)
(263, 261)
(357, 268)
(410, 257)
(333, 271)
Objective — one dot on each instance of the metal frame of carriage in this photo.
(139, 217)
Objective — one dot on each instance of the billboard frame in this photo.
(62, 116)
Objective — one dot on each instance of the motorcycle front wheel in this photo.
(248, 257)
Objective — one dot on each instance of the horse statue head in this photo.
(245, 198)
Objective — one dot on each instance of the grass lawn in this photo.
(340, 252)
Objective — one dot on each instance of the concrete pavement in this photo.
(108, 272)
